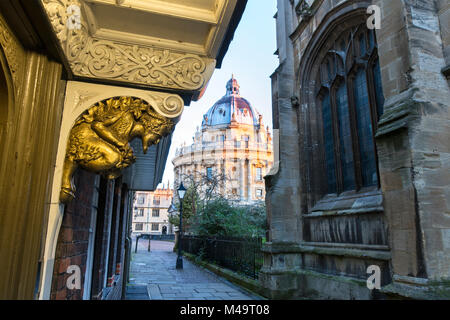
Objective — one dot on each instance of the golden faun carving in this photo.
(99, 140)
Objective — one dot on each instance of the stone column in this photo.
(278, 275)
(249, 180)
(412, 142)
(241, 179)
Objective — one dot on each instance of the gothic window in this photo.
(351, 100)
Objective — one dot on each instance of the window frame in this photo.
(258, 174)
(351, 63)
(209, 173)
(139, 224)
(140, 198)
(139, 212)
(257, 191)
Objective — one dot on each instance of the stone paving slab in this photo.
(153, 275)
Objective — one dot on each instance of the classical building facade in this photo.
(361, 121)
(78, 84)
(233, 144)
(150, 212)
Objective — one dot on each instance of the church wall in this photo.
(413, 128)
(401, 226)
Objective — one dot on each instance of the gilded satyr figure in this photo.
(99, 140)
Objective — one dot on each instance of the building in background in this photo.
(150, 212)
(361, 121)
(232, 142)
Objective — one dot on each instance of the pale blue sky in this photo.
(250, 58)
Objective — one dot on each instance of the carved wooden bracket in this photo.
(99, 139)
(92, 57)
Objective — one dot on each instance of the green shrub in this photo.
(219, 218)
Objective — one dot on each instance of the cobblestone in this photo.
(153, 276)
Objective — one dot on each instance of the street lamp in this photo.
(181, 192)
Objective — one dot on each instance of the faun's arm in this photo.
(111, 121)
(106, 134)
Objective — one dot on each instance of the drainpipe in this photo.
(128, 244)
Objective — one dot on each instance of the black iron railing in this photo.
(242, 255)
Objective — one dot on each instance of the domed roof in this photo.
(231, 107)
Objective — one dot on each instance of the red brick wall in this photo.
(73, 238)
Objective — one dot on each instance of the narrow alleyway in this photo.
(153, 277)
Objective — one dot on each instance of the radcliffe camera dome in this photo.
(231, 108)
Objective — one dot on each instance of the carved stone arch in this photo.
(339, 20)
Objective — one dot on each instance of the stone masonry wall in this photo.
(413, 137)
(411, 241)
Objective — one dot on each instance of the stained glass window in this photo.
(345, 137)
(365, 132)
(352, 103)
(329, 143)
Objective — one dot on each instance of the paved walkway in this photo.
(153, 277)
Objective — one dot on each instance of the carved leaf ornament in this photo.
(97, 58)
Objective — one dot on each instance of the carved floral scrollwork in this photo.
(11, 48)
(97, 58)
(104, 59)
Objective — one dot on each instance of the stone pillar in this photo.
(241, 179)
(249, 180)
(278, 275)
(412, 142)
(219, 166)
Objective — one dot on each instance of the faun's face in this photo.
(150, 139)
(154, 130)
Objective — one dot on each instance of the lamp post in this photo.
(181, 192)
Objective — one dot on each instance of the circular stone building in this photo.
(232, 141)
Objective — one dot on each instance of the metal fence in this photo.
(162, 237)
(242, 255)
